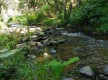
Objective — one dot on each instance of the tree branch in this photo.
(49, 3)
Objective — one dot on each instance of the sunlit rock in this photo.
(46, 55)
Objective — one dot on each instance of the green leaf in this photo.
(9, 53)
(41, 33)
(72, 60)
(3, 50)
(57, 67)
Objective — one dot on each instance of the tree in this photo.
(78, 3)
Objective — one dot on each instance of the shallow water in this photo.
(90, 50)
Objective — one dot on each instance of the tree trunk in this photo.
(64, 9)
(78, 3)
(49, 3)
(70, 9)
(57, 7)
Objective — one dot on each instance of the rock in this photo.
(32, 43)
(40, 45)
(87, 72)
(61, 41)
(51, 43)
(73, 34)
(67, 78)
(33, 50)
(102, 77)
(100, 43)
(40, 33)
(54, 42)
(31, 56)
(78, 49)
(33, 37)
(53, 52)
(105, 70)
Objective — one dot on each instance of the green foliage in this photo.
(22, 68)
(8, 41)
(58, 67)
(40, 14)
(103, 28)
(89, 14)
(31, 19)
(75, 17)
(8, 53)
(18, 19)
(49, 22)
(3, 50)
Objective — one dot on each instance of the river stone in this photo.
(31, 56)
(64, 78)
(22, 45)
(105, 70)
(79, 49)
(54, 42)
(87, 71)
(53, 52)
(33, 50)
(40, 45)
(32, 43)
(102, 77)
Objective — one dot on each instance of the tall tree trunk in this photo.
(0, 9)
(57, 7)
(64, 9)
(70, 9)
(78, 3)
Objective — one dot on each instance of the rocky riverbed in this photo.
(93, 53)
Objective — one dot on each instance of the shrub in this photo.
(89, 14)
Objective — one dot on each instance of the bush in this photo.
(89, 14)
(103, 28)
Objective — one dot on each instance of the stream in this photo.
(93, 53)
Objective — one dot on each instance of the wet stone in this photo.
(34, 50)
(40, 45)
(31, 56)
(53, 52)
(87, 72)
(105, 70)
(102, 77)
(67, 78)
(78, 49)
(32, 43)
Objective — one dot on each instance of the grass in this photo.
(17, 67)
(21, 70)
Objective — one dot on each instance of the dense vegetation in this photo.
(90, 16)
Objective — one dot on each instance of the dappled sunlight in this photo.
(43, 57)
(18, 30)
(46, 55)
